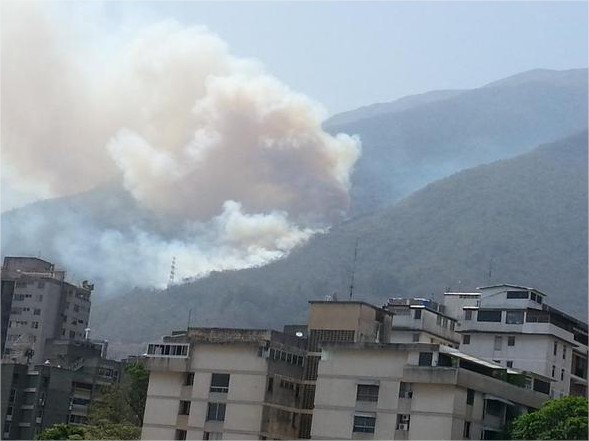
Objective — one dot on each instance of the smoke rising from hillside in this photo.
(200, 138)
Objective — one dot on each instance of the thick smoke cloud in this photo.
(201, 139)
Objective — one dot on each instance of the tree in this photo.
(123, 403)
(63, 432)
(561, 419)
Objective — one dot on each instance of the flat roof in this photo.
(455, 352)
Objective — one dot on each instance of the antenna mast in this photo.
(353, 270)
(172, 272)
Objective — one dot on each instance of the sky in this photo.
(350, 54)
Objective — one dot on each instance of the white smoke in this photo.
(201, 139)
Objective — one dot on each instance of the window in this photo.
(415, 338)
(72, 334)
(517, 294)
(270, 384)
(470, 397)
(36, 311)
(364, 424)
(553, 370)
(40, 298)
(220, 383)
(188, 378)
(489, 316)
(514, 317)
(216, 412)
(40, 284)
(405, 390)
(6, 429)
(9, 410)
(564, 352)
(509, 363)
(498, 342)
(212, 435)
(511, 340)
(533, 316)
(184, 408)
(426, 358)
(555, 348)
(494, 407)
(76, 308)
(561, 374)
(466, 430)
(417, 314)
(367, 392)
(466, 339)
(439, 320)
(403, 421)
(468, 314)
(180, 434)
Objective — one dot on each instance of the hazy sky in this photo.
(349, 54)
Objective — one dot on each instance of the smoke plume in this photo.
(231, 166)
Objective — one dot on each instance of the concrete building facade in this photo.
(413, 391)
(35, 397)
(513, 326)
(39, 304)
(226, 383)
(349, 379)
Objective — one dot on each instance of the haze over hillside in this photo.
(418, 139)
(405, 144)
(524, 220)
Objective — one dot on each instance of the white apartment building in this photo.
(225, 384)
(513, 326)
(414, 391)
(419, 320)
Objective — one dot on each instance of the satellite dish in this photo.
(299, 334)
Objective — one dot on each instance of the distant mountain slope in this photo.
(426, 137)
(523, 219)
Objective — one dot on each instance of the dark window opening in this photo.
(220, 383)
(489, 316)
(367, 392)
(466, 339)
(517, 294)
(470, 396)
(364, 424)
(417, 314)
(216, 412)
(184, 408)
(188, 378)
(426, 358)
(511, 340)
(180, 434)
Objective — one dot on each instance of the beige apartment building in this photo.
(348, 380)
(413, 391)
(226, 384)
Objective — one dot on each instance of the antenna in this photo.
(353, 269)
(189, 317)
(490, 269)
(172, 272)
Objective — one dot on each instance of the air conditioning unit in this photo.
(405, 418)
(403, 426)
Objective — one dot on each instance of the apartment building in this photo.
(226, 383)
(419, 320)
(39, 304)
(35, 397)
(513, 326)
(414, 391)
(323, 380)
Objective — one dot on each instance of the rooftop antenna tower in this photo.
(353, 270)
(172, 272)
(490, 269)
